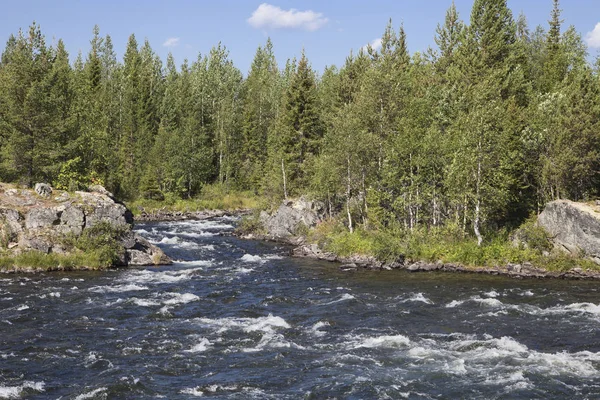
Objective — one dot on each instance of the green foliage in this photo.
(473, 136)
(71, 176)
(444, 244)
(212, 197)
(533, 236)
(48, 262)
(104, 240)
(100, 243)
(250, 224)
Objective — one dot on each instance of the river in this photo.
(239, 319)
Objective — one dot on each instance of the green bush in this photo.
(250, 224)
(533, 236)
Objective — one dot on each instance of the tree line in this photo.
(480, 132)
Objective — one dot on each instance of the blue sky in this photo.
(327, 30)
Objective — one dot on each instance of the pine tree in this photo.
(260, 107)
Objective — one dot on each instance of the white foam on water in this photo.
(243, 270)
(343, 297)
(145, 302)
(264, 324)
(91, 395)
(208, 247)
(507, 379)
(15, 392)
(194, 234)
(491, 293)
(315, 330)
(23, 307)
(418, 297)
(205, 263)
(118, 288)
(386, 341)
(169, 240)
(165, 299)
(179, 298)
(272, 340)
(54, 294)
(192, 392)
(158, 276)
(202, 346)
(454, 303)
(488, 302)
(200, 391)
(249, 258)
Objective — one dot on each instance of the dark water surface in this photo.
(239, 319)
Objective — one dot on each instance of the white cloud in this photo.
(375, 45)
(269, 16)
(593, 38)
(171, 42)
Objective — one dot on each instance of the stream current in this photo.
(237, 319)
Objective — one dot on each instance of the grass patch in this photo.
(250, 224)
(212, 197)
(98, 247)
(48, 262)
(447, 244)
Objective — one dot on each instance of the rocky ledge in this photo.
(42, 219)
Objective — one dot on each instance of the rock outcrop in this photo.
(291, 218)
(573, 227)
(42, 220)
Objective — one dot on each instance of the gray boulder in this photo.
(72, 220)
(574, 227)
(42, 217)
(10, 224)
(100, 189)
(145, 253)
(54, 224)
(105, 209)
(43, 189)
(291, 217)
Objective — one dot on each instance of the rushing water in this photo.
(239, 319)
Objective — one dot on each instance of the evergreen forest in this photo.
(479, 132)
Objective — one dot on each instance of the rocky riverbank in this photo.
(573, 227)
(61, 224)
(520, 271)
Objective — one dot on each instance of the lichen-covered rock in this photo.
(72, 220)
(56, 224)
(43, 217)
(291, 217)
(144, 253)
(100, 189)
(38, 243)
(10, 224)
(573, 227)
